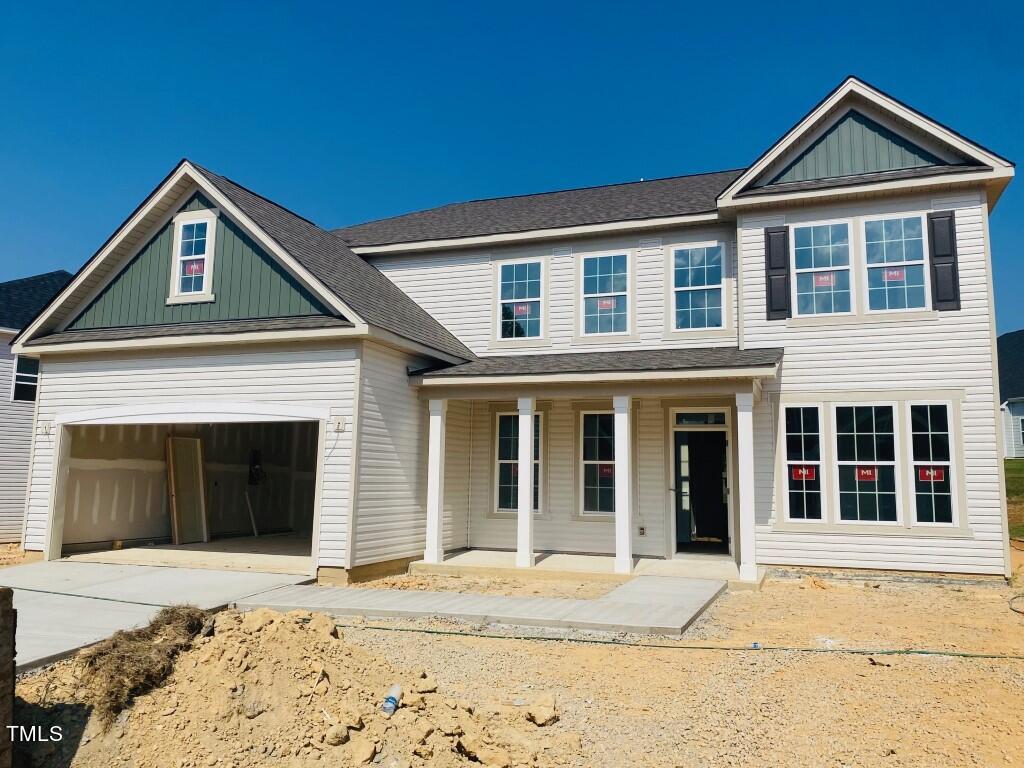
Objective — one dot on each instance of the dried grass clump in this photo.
(131, 662)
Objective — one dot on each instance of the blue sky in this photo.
(350, 114)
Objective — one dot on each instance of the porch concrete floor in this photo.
(283, 553)
(644, 604)
(490, 562)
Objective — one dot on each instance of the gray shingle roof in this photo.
(614, 362)
(190, 329)
(677, 196)
(361, 286)
(21, 300)
(1011, 365)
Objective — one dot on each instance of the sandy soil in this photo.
(11, 554)
(652, 706)
(571, 588)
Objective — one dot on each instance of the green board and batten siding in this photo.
(854, 145)
(247, 283)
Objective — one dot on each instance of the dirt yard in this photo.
(249, 694)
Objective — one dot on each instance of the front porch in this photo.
(604, 473)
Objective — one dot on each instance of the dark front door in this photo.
(702, 520)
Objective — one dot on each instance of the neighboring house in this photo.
(20, 300)
(1011, 392)
(789, 363)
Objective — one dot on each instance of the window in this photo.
(520, 300)
(598, 456)
(508, 462)
(803, 462)
(193, 256)
(866, 453)
(933, 494)
(895, 259)
(822, 266)
(605, 299)
(694, 418)
(697, 284)
(26, 379)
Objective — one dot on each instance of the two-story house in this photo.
(787, 363)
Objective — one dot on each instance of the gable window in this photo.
(866, 454)
(192, 265)
(697, 285)
(605, 294)
(803, 463)
(26, 379)
(598, 459)
(520, 295)
(508, 462)
(895, 262)
(821, 255)
(932, 467)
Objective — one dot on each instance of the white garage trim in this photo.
(217, 411)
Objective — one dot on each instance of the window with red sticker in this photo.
(597, 433)
(866, 455)
(803, 457)
(930, 447)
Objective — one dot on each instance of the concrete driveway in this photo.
(63, 606)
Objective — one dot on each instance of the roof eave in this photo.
(585, 377)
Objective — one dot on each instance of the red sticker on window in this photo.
(804, 473)
(194, 267)
(895, 275)
(606, 470)
(515, 470)
(931, 474)
(522, 309)
(825, 280)
(606, 303)
(867, 474)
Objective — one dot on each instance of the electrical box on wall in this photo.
(643, 530)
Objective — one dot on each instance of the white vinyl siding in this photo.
(314, 377)
(1013, 429)
(15, 447)
(893, 356)
(468, 312)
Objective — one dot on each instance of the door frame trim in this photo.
(727, 428)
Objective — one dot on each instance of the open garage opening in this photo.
(237, 496)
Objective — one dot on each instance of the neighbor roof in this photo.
(1010, 347)
(704, 358)
(638, 200)
(361, 286)
(21, 299)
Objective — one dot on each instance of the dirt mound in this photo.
(271, 688)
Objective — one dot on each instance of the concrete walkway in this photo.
(646, 604)
(63, 606)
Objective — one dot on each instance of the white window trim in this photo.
(951, 465)
(524, 340)
(863, 253)
(25, 376)
(673, 290)
(822, 475)
(898, 474)
(628, 293)
(539, 464)
(584, 513)
(851, 267)
(175, 296)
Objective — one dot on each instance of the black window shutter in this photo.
(776, 271)
(942, 255)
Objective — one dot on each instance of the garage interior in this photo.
(243, 495)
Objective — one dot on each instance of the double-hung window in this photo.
(821, 256)
(508, 462)
(193, 256)
(598, 458)
(26, 379)
(932, 467)
(697, 284)
(803, 462)
(605, 294)
(866, 454)
(894, 251)
(520, 298)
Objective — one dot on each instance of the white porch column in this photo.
(434, 551)
(524, 520)
(745, 479)
(623, 486)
